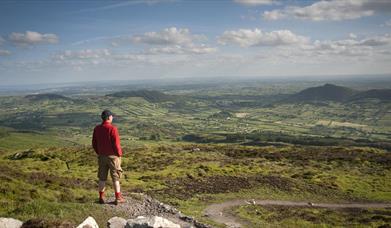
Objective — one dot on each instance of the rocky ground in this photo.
(141, 211)
(139, 204)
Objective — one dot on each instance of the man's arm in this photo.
(95, 142)
(115, 142)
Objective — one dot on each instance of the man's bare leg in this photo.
(117, 187)
(118, 195)
(102, 191)
(102, 185)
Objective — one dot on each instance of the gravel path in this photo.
(216, 213)
(139, 204)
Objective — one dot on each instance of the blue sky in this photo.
(70, 41)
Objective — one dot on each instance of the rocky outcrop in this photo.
(140, 204)
(88, 223)
(116, 222)
(150, 222)
(10, 223)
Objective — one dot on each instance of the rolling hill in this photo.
(381, 94)
(327, 92)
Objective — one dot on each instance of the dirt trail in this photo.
(216, 212)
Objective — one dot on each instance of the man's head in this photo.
(107, 115)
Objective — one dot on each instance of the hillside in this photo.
(46, 96)
(149, 95)
(327, 92)
(381, 94)
(206, 146)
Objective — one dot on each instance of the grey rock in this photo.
(116, 222)
(88, 223)
(201, 225)
(186, 218)
(10, 223)
(150, 222)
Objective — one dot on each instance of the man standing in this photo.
(106, 144)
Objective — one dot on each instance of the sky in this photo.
(77, 41)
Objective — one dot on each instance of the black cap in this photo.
(106, 114)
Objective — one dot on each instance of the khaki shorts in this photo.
(112, 163)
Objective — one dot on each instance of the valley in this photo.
(197, 145)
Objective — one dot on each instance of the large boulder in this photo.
(10, 223)
(116, 222)
(88, 223)
(150, 222)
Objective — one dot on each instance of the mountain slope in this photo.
(381, 94)
(327, 92)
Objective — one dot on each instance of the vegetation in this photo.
(211, 145)
(313, 217)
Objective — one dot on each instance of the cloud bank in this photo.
(334, 10)
(30, 38)
(4, 52)
(256, 37)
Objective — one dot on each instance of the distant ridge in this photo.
(46, 96)
(327, 92)
(381, 94)
(149, 95)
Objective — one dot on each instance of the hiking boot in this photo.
(101, 200)
(119, 200)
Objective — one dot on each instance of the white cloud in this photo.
(352, 36)
(376, 41)
(334, 10)
(177, 49)
(256, 37)
(274, 15)
(4, 52)
(168, 36)
(254, 2)
(340, 48)
(350, 47)
(83, 54)
(32, 38)
(131, 57)
(173, 41)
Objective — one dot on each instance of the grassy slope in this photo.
(38, 182)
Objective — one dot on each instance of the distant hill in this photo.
(46, 96)
(327, 92)
(149, 95)
(381, 94)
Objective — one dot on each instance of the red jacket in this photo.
(105, 140)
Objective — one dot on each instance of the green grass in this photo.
(21, 141)
(278, 216)
(38, 181)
